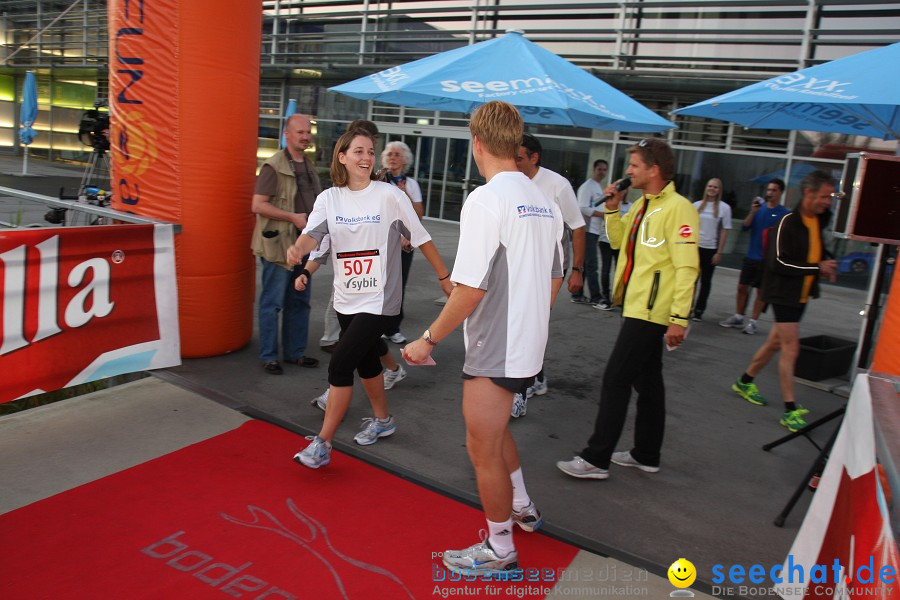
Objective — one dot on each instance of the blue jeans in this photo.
(279, 296)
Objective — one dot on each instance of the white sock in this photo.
(520, 494)
(739, 317)
(500, 537)
(753, 321)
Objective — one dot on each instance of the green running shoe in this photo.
(749, 392)
(793, 420)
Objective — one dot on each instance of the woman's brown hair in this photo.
(338, 171)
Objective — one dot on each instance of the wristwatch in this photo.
(578, 269)
(427, 337)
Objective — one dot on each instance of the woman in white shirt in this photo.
(397, 158)
(366, 222)
(715, 223)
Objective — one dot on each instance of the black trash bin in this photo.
(824, 357)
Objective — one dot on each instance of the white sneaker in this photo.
(481, 561)
(582, 469)
(519, 407)
(733, 321)
(321, 401)
(624, 459)
(394, 377)
(373, 429)
(397, 338)
(538, 388)
(750, 329)
(317, 454)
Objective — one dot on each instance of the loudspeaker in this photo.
(869, 203)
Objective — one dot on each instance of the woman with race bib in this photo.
(366, 222)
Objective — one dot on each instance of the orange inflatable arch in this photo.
(184, 90)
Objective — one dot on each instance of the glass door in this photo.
(443, 167)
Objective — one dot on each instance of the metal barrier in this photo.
(102, 215)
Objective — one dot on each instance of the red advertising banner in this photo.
(85, 303)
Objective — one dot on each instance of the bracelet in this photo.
(444, 277)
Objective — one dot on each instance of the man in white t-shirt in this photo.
(557, 189)
(509, 240)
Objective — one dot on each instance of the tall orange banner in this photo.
(184, 104)
(887, 349)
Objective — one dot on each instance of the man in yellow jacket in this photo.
(655, 273)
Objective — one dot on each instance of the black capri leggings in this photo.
(359, 347)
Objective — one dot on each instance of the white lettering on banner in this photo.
(798, 83)
(812, 83)
(49, 251)
(389, 78)
(497, 88)
(76, 312)
(79, 311)
(13, 304)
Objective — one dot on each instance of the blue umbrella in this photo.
(856, 95)
(27, 116)
(546, 88)
(291, 109)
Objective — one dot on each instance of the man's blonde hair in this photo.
(499, 127)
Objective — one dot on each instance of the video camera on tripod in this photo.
(93, 131)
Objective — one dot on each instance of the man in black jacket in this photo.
(794, 261)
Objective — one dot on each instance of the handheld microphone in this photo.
(623, 185)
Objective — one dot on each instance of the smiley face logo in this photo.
(682, 573)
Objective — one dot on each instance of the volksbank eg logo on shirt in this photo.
(530, 210)
(358, 220)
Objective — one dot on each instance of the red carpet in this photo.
(233, 516)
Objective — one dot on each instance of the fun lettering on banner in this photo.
(85, 303)
(144, 103)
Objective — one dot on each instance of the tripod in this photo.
(97, 163)
(91, 190)
(817, 465)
